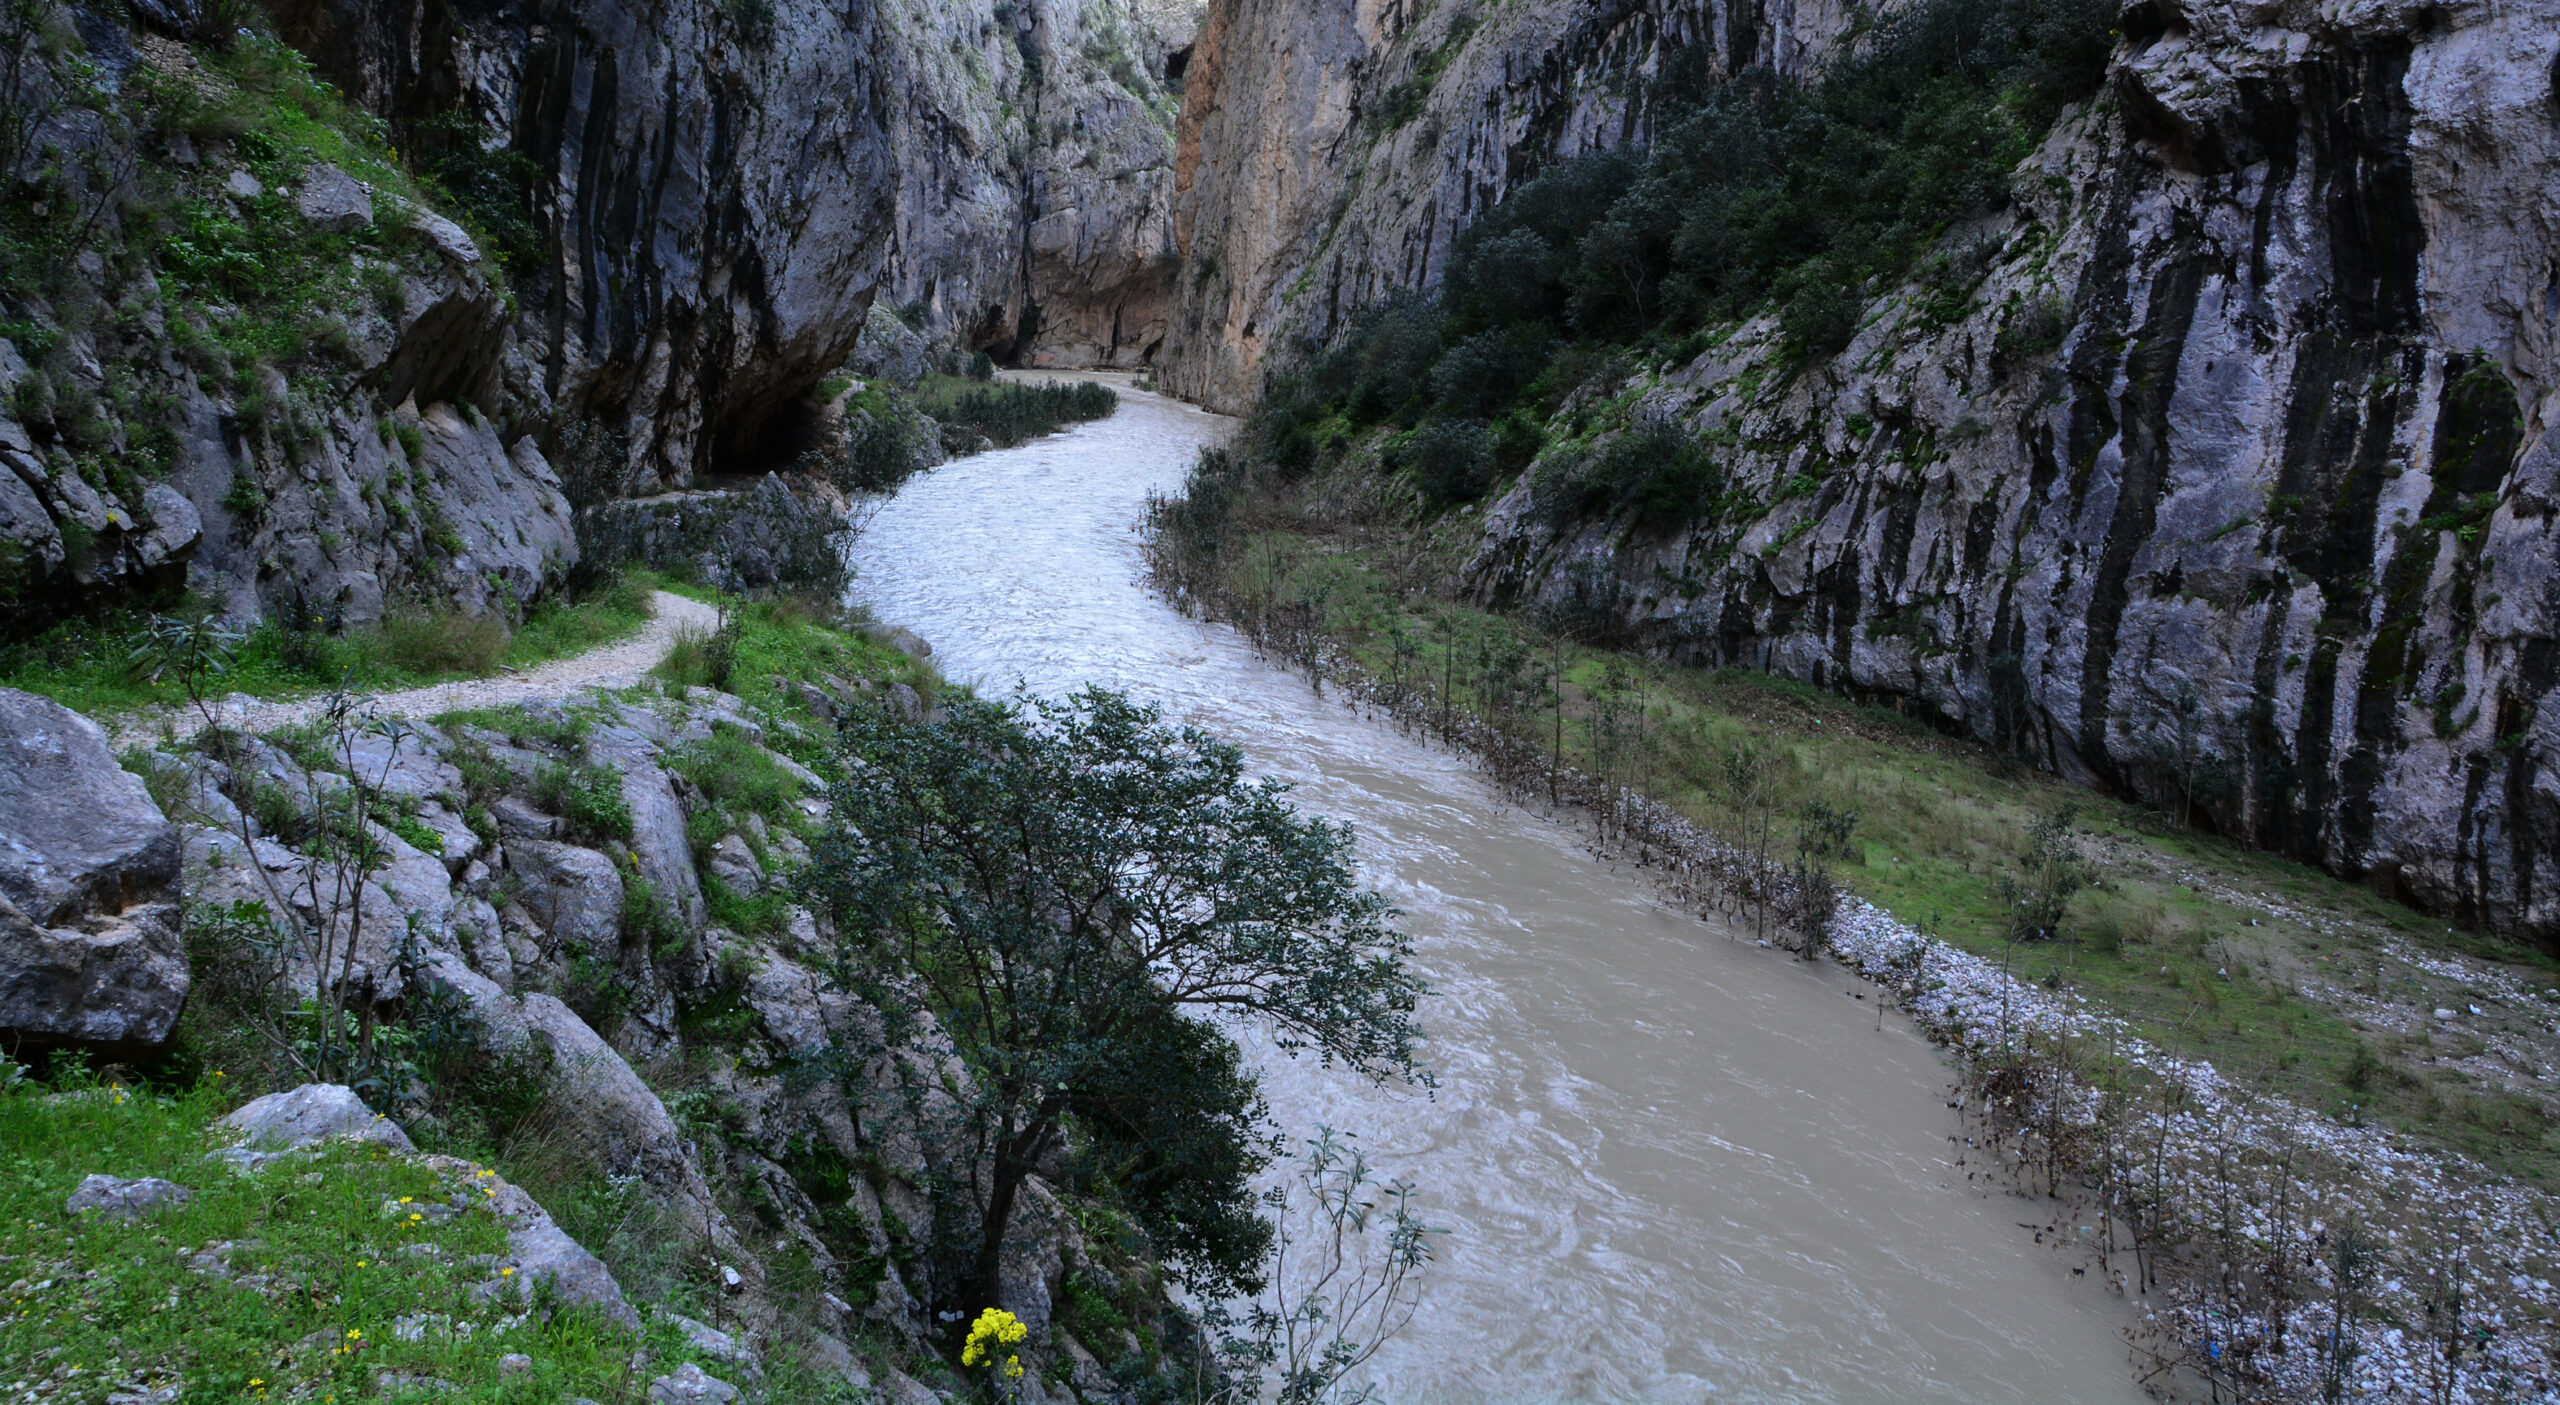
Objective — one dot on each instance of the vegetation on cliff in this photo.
(1753, 194)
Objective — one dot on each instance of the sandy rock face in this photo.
(89, 946)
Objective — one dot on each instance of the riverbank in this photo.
(2223, 1061)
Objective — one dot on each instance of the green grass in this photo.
(84, 663)
(99, 1305)
(795, 640)
(2159, 940)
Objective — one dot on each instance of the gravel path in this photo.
(615, 665)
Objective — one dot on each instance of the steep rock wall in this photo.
(1329, 152)
(718, 191)
(235, 366)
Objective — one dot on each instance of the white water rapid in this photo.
(1675, 1167)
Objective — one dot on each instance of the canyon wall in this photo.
(2227, 478)
(1330, 151)
(718, 189)
(259, 345)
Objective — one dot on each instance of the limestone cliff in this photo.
(716, 192)
(1329, 152)
(2227, 476)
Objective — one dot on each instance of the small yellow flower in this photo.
(404, 1200)
(355, 1334)
(257, 1380)
(506, 1273)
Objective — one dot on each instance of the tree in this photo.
(1824, 835)
(1062, 885)
(2049, 873)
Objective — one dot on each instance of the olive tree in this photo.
(1079, 894)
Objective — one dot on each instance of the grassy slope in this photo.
(100, 1305)
(84, 664)
(2203, 946)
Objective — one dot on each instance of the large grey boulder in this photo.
(333, 200)
(122, 1199)
(309, 1115)
(574, 893)
(621, 1126)
(90, 952)
(118, 989)
(890, 350)
(78, 833)
(657, 819)
(542, 1253)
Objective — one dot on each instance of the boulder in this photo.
(714, 1343)
(309, 1115)
(90, 952)
(333, 200)
(734, 864)
(687, 1385)
(657, 819)
(117, 989)
(79, 834)
(118, 1198)
(621, 1125)
(519, 820)
(541, 1252)
(574, 893)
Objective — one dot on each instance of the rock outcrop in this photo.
(288, 407)
(804, 1125)
(90, 952)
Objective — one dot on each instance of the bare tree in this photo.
(1346, 1269)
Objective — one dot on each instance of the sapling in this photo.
(194, 649)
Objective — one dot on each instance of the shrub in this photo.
(1480, 377)
(1654, 472)
(1011, 414)
(587, 798)
(432, 641)
(1451, 461)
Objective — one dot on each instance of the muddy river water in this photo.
(1674, 1167)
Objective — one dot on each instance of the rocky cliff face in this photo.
(1329, 152)
(716, 192)
(2228, 480)
(245, 352)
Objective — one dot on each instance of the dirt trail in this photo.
(614, 665)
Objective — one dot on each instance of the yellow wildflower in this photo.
(994, 1328)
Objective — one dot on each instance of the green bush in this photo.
(1451, 461)
(432, 641)
(1654, 473)
(1010, 414)
(587, 798)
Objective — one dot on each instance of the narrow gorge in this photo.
(1903, 643)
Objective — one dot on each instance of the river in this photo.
(1675, 1167)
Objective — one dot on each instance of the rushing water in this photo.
(1675, 1167)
